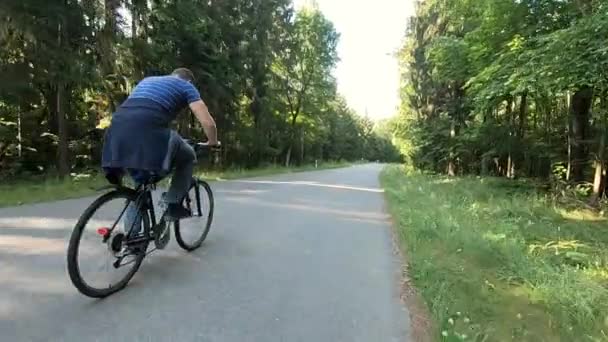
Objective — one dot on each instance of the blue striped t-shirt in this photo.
(171, 92)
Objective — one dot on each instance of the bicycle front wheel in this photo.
(192, 231)
(99, 260)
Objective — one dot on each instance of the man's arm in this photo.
(200, 110)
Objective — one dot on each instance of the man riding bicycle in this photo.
(139, 139)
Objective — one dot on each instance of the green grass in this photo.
(44, 190)
(34, 191)
(496, 261)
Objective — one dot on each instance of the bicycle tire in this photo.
(178, 236)
(74, 244)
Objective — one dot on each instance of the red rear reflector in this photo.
(103, 231)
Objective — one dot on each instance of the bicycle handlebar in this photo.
(198, 146)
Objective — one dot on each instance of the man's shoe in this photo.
(176, 211)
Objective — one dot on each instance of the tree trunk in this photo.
(523, 113)
(107, 45)
(259, 55)
(599, 183)
(19, 137)
(536, 114)
(257, 111)
(288, 156)
(302, 147)
(510, 169)
(484, 171)
(134, 22)
(517, 134)
(451, 161)
(598, 179)
(139, 22)
(580, 106)
(509, 110)
(547, 113)
(63, 166)
(292, 137)
(108, 37)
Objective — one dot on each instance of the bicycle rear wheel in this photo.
(99, 260)
(192, 231)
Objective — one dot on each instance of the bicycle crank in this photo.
(115, 243)
(162, 234)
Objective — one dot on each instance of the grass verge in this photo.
(35, 191)
(496, 261)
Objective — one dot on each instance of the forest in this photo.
(515, 89)
(263, 68)
(503, 128)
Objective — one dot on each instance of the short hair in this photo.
(184, 74)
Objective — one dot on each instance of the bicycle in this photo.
(140, 228)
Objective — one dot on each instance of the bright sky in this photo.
(370, 32)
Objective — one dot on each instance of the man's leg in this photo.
(132, 218)
(183, 166)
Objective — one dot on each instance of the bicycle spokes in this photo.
(99, 249)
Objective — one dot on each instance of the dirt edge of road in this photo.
(421, 326)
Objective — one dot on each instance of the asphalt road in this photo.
(299, 257)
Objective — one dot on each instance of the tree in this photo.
(303, 67)
(264, 71)
(511, 88)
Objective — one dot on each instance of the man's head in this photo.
(184, 74)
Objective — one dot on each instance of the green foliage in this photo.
(263, 69)
(504, 89)
(449, 57)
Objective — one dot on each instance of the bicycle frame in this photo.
(143, 204)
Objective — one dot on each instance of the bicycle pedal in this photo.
(162, 235)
